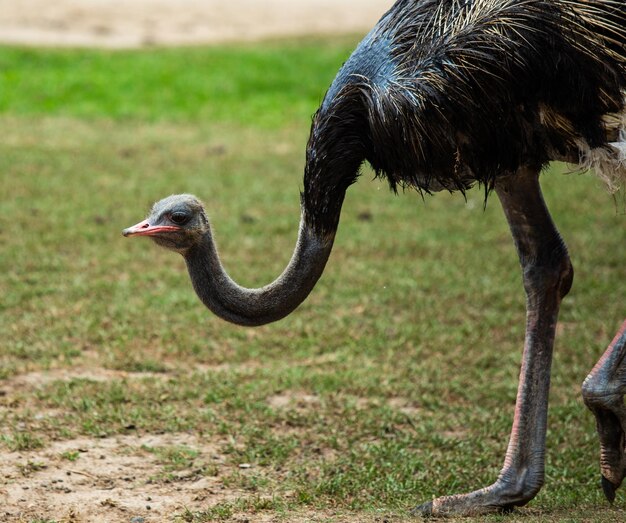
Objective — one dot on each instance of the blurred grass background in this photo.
(394, 382)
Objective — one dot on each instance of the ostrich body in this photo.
(445, 94)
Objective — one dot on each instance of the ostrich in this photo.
(443, 95)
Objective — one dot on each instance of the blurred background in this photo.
(136, 23)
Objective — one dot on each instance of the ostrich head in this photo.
(176, 223)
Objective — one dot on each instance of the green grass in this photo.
(394, 382)
(254, 85)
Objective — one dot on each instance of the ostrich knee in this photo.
(553, 274)
(606, 383)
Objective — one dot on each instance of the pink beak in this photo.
(145, 229)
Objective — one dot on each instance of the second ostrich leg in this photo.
(547, 276)
(603, 392)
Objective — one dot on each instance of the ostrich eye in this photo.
(179, 218)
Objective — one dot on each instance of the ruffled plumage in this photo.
(445, 93)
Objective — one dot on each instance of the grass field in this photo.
(393, 383)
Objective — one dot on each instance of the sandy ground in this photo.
(137, 23)
(124, 478)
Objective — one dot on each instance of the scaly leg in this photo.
(547, 276)
(603, 392)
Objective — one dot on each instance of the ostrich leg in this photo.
(603, 392)
(547, 276)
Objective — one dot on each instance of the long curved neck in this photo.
(253, 307)
(334, 154)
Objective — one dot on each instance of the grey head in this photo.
(177, 222)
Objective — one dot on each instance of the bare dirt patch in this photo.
(293, 399)
(136, 23)
(122, 479)
(110, 479)
(37, 379)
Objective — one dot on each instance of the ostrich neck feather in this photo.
(251, 307)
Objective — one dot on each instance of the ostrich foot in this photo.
(603, 393)
(499, 497)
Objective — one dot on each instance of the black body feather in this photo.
(442, 94)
